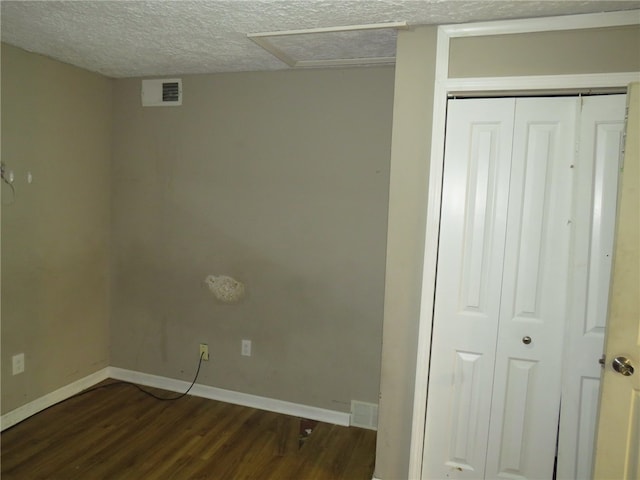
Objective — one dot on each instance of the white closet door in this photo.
(599, 151)
(471, 252)
(502, 285)
(526, 392)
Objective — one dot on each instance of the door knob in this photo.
(623, 366)
(526, 340)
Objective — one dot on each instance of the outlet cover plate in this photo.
(204, 352)
(18, 363)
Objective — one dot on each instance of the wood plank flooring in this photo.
(120, 433)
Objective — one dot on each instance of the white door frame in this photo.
(444, 85)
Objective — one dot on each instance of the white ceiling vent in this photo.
(162, 92)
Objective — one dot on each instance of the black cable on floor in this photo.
(151, 394)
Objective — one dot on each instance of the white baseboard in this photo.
(229, 396)
(9, 419)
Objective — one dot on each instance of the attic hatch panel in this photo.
(333, 46)
(362, 44)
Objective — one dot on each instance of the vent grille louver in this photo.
(162, 92)
(364, 415)
(170, 92)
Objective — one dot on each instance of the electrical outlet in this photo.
(204, 351)
(246, 348)
(18, 364)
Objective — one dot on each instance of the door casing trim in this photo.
(443, 86)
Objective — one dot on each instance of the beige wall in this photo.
(413, 104)
(280, 180)
(408, 197)
(597, 50)
(56, 123)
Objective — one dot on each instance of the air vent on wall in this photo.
(162, 92)
(364, 415)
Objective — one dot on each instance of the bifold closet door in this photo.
(525, 405)
(469, 281)
(599, 156)
(494, 384)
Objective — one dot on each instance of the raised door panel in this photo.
(526, 392)
(475, 195)
(594, 212)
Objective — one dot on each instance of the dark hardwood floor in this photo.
(120, 433)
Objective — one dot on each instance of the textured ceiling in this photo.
(145, 38)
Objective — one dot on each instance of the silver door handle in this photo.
(623, 366)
